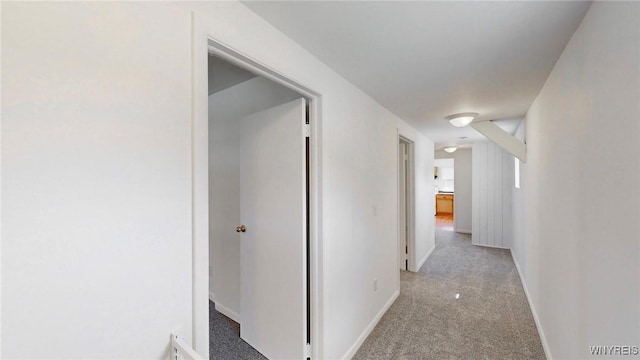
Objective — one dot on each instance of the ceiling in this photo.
(426, 60)
(223, 75)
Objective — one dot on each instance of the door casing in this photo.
(403, 241)
(203, 43)
(410, 203)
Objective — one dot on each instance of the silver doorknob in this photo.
(241, 228)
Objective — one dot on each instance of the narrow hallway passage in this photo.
(489, 319)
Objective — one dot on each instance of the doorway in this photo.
(445, 193)
(259, 214)
(406, 219)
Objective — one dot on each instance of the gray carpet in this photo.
(490, 320)
(224, 339)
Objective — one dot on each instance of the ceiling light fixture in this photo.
(450, 149)
(461, 120)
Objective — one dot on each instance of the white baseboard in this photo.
(543, 339)
(227, 312)
(463, 231)
(354, 348)
(224, 310)
(424, 259)
(492, 246)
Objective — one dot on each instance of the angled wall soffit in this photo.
(502, 138)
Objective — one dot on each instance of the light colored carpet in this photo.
(490, 320)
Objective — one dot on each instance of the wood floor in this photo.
(444, 222)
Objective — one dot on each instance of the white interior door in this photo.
(273, 248)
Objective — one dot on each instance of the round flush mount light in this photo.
(461, 120)
(450, 149)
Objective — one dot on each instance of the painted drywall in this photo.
(462, 214)
(96, 166)
(581, 250)
(96, 220)
(225, 109)
(359, 244)
(518, 216)
(424, 195)
(492, 182)
(445, 170)
(463, 193)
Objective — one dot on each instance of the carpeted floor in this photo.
(224, 339)
(491, 318)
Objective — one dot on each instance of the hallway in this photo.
(491, 318)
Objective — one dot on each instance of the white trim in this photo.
(227, 312)
(491, 246)
(463, 231)
(424, 259)
(411, 190)
(181, 349)
(205, 42)
(411, 206)
(367, 331)
(224, 310)
(505, 140)
(235, 57)
(536, 319)
(199, 189)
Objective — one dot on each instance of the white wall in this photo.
(462, 217)
(518, 215)
(359, 244)
(424, 195)
(581, 251)
(96, 220)
(225, 109)
(492, 181)
(445, 170)
(463, 194)
(96, 166)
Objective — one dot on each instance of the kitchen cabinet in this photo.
(444, 204)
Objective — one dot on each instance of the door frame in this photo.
(410, 203)
(204, 42)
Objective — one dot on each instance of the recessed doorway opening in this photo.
(263, 210)
(444, 193)
(406, 204)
